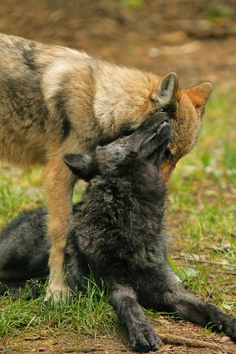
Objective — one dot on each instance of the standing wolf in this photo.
(54, 100)
(119, 233)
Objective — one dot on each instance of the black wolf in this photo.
(119, 233)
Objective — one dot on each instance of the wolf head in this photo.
(126, 97)
(146, 145)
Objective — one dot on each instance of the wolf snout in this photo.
(163, 125)
(155, 122)
(163, 130)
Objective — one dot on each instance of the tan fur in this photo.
(55, 100)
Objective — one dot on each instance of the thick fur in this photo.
(119, 233)
(55, 100)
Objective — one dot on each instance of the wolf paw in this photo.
(229, 327)
(57, 294)
(144, 339)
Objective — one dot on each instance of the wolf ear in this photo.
(166, 95)
(199, 95)
(82, 165)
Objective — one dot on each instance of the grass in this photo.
(88, 312)
(201, 214)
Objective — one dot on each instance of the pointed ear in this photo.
(82, 165)
(167, 88)
(199, 95)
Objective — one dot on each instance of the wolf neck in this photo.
(139, 202)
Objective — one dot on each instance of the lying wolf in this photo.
(55, 99)
(119, 233)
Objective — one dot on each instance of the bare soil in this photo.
(57, 341)
(160, 36)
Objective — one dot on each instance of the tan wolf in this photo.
(55, 100)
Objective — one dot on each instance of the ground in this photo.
(198, 41)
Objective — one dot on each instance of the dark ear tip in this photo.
(67, 158)
(82, 165)
(172, 74)
(170, 80)
(73, 162)
(70, 158)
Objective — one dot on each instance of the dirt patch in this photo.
(195, 40)
(60, 341)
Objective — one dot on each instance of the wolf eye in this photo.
(127, 130)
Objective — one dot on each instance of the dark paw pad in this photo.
(144, 339)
